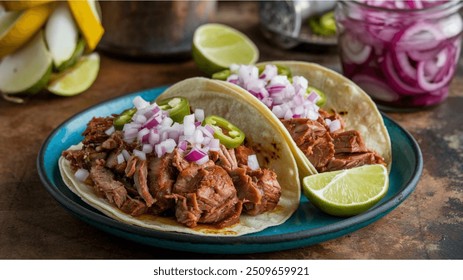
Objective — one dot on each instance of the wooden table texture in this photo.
(428, 225)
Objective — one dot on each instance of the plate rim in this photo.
(95, 216)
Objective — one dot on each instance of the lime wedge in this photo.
(27, 70)
(217, 46)
(78, 78)
(347, 192)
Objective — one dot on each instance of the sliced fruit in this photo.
(217, 46)
(17, 27)
(28, 69)
(78, 78)
(347, 192)
(18, 5)
(87, 17)
(74, 57)
(61, 34)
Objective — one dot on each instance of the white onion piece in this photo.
(81, 174)
(335, 125)
(147, 148)
(199, 114)
(169, 145)
(138, 118)
(110, 130)
(126, 154)
(214, 144)
(139, 154)
(253, 163)
(140, 103)
(120, 158)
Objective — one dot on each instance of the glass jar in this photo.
(403, 54)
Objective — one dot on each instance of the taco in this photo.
(200, 160)
(329, 122)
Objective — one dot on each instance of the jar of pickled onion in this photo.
(402, 53)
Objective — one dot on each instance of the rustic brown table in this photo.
(428, 225)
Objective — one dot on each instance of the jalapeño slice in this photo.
(178, 108)
(228, 134)
(222, 75)
(124, 118)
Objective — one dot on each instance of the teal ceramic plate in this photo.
(307, 226)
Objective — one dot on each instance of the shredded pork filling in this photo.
(214, 193)
(330, 151)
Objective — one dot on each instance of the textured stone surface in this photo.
(428, 225)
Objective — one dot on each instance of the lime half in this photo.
(217, 46)
(347, 192)
(78, 78)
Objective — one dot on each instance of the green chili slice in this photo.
(324, 25)
(228, 134)
(178, 108)
(222, 75)
(124, 118)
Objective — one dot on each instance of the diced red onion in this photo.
(335, 125)
(269, 72)
(167, 122)
(153, 138)
(160, 150)
(182, 145)
(199, 114)
(120, 158)
(214, 144)
(153, 121)
(110, 130)
(233, 79)
(313, 96)
(207, 131)
(140, 103)
(194, 155)
(147, 148)
(126, 154)
(81, 174)
(142, 135)
(203, 160)
(139, 154)
(170, 145)
(153, 128)
(198, 136)
(130, 135)
(253, 163)
(286, 99)
(138, 118)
